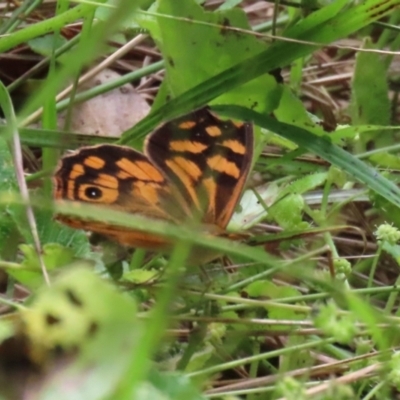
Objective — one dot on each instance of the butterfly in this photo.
(193, 168)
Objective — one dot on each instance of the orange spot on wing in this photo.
(235, 146)
(221, 164)
(142, 170)
(123, 175)
(70, 190)
(94, 162)
(187, 145)
(211, 189)
(184, 178)
(106, 180)
(76, 170)
(187, 125)
(238, 124)
(190, 168)
(213, 130)
(146, 191)
(58, 189)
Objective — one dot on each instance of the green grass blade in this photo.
(56, 139)
(44, 27)
(164, 229)
(323, 148)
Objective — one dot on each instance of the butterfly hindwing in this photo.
(207, 159)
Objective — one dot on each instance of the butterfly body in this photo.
(193, 169)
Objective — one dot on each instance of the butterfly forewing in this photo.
(207, 159)
(116, 176)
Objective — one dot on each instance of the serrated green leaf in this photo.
(270, 290)
(140, 276)
(30, 273)
(288, 212)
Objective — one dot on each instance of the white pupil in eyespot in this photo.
(93, 192)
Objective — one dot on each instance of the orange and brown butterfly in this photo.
(193, 168)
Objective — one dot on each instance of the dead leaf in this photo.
(108, 114)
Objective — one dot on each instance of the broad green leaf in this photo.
(83, 313)
(78, 299)
(30, 274)
(370, 102)
(183, 38)
(280, 53)
(370, 89)
(292, 109)
(148, 20)
(45, 45)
